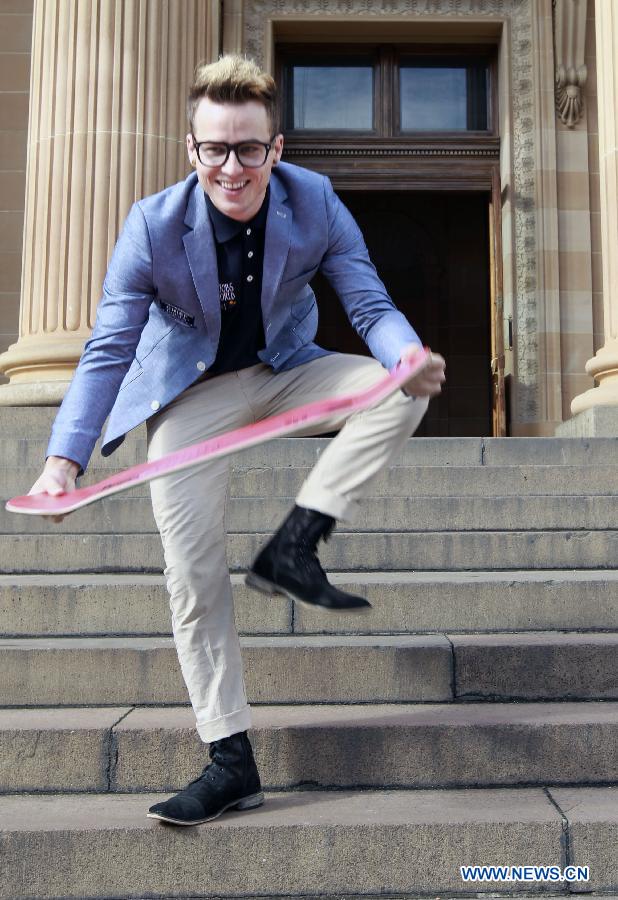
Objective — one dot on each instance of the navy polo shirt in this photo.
(240, 260)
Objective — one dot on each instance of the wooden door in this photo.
(431, 249)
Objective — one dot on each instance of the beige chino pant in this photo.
(190, 506)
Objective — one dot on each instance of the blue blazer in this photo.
(158, 322)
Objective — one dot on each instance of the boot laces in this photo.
(307, 554)
(208, 772)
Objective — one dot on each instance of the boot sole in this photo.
(268, 587)
(250, 802)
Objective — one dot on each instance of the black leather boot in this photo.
(288, 564)
(230, 781)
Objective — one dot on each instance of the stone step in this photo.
(34, 424)
(304, 843)
(403, 745)
(397, 481)
(128, 515)
(282, 669)
(345, 551)
(535, 666)
(33, 605)
(30, 451)
(320, 669)
(82, 605)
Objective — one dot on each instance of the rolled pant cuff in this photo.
(328, 503)
(224, 726)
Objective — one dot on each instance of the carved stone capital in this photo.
(571, 72)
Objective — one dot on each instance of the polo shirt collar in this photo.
(226, 228)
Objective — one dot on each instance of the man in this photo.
(207, 323)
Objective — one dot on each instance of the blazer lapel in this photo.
(202, 255)
(276, 247)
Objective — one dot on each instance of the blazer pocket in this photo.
(305, 318)
(302, 308)
(151, 338)
(134, 371)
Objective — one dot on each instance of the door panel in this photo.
(432, 252)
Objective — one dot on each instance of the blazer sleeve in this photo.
(347, 266)
(122, 312)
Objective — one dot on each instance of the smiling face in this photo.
(237, 191)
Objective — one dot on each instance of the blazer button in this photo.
(201, 366)
(155, 404)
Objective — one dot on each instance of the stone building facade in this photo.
(92, 117)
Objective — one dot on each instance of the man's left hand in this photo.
(428, 382)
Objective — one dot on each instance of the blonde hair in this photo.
(233, 79)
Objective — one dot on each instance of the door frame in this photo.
(498, 403)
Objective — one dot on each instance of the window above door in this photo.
(442, 95)
(330, 95)
(386, 91)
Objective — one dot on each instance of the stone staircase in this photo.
(471, 718)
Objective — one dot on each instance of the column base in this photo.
(598, 421)
(39, 359)
(43, 393)
(603, 367)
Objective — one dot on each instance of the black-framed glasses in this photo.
(250, 154)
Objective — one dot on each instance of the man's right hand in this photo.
(58, 477)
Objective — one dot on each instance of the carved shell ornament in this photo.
(571, 72)
(569, 95)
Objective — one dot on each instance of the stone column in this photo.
(107, 126)
(604, 365)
